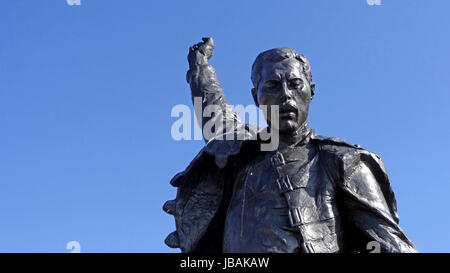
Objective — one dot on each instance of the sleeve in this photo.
(214, 115)
(369, 202)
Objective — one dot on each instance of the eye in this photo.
(271, 85)
(296, 83)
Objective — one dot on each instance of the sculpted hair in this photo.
(278, 55)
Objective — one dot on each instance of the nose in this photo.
(286, 94)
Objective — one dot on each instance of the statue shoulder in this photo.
(343, 155)
(336, 145)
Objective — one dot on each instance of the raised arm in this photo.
(211, 106)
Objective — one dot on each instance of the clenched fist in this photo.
(200, 53)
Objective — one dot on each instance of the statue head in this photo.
(283, 77)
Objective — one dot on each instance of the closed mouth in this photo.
(288, 112)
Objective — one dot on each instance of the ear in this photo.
(255, 96)
(313, 87)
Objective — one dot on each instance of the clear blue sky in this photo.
(86, 94)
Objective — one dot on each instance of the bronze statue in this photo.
(312, 194)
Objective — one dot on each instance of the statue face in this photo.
(284, 84)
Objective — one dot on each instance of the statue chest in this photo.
(281, 202)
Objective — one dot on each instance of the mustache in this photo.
(287, 107)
